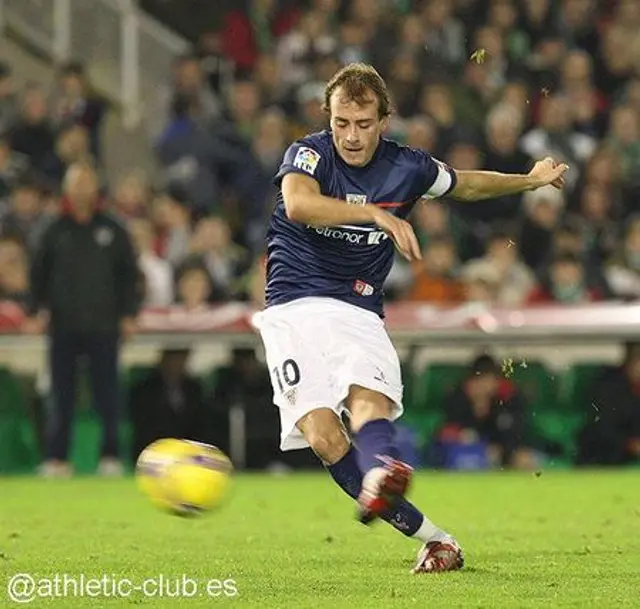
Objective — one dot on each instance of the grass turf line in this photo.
(563, 539)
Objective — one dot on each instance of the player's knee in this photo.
(367, 405)
(325, 434)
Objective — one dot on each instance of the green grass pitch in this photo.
(562, 539)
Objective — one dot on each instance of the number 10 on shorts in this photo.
(287, 376)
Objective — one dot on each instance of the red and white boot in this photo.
(439, 556)
(382, 487)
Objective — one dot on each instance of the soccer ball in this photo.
(183, 477)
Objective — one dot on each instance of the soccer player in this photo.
(345, 194)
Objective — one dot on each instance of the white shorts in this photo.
(316, 348)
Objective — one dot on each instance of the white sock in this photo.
(429, 532)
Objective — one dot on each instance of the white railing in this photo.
(127, 53)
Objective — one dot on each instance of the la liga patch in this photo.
(306, 159)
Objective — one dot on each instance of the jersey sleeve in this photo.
(305, 158)
(436, 179)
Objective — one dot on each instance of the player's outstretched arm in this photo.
(477, 185)
(304, 203)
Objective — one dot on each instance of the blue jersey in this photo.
(349, 263)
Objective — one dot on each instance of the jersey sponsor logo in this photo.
(351, 234)
(363, 288)
(336, 233)
(307, 160)
(354, 199)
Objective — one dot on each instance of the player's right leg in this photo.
(324, 432)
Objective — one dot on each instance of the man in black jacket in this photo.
(84, 276)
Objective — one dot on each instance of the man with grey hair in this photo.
(84, 280)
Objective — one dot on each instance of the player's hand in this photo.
(400, 232)
(547, 172)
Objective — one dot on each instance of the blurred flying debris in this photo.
(509, 364)
(545, 92)
(511, 243)
(507, 367)
(479, 55)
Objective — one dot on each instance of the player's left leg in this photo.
(386, 479)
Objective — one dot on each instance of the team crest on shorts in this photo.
(353, 199)
(291, 396)
(307, 160)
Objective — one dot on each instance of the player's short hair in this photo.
(356, 80)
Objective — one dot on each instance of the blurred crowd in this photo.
(482, 84)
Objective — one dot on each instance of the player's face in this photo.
(356, 129)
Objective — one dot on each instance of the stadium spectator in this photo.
(624, 139)
(622, 271)
(226, 263)
(168, 402)
(434, 277)
(481, 284)
(310, 114)
(187, 153)
(555, 136)
(268, 79)
(270, 141)
(8, 100)
(76, 104)
(84, 279)
(171, 215)
(504, 126)
(433, 219)
(487, 409)
(25, 219)
(541, 211)
(566, 282)
(194, 288)
(310, 37)
(14, 271)
(599, 228)
(436, 102)
(443, 34)
(157, 272)
(218, 70)
(12, 167)
(420, 132)
(243, 107)
(246, 35)
(33, 134)
(72, 146)
(611, 435)
(131, 196)
(515, 281)
(189, 88)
